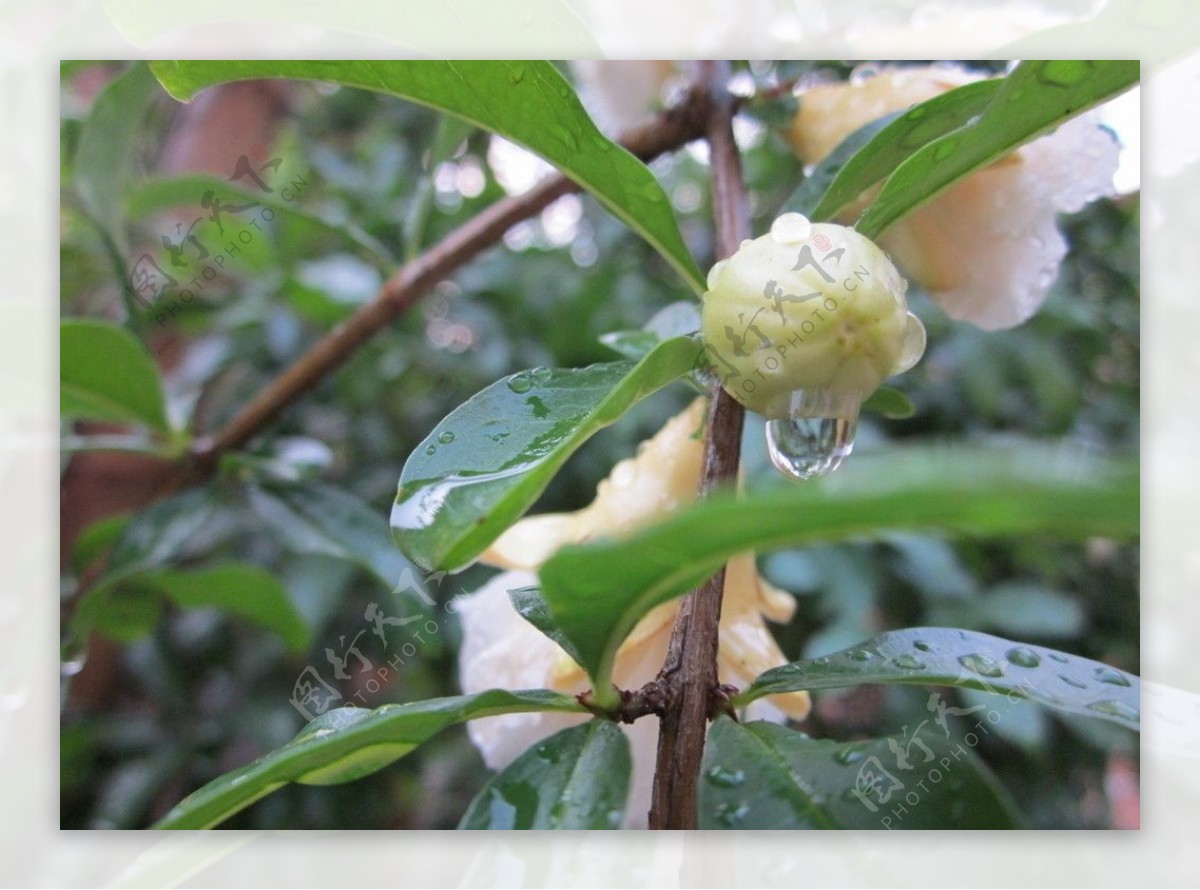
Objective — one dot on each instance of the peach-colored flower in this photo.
(500, 649)
(988, 248)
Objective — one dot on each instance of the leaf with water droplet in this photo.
(510, 440)
(873, 151)
(1038, 673)
(577, 778)
(527, 102)
(596, 592)
(1025, 105)
(344, 744)
(792, 781)
(981, 664)
(1023, 656)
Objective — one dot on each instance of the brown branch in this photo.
(693, 694)
(671, 129)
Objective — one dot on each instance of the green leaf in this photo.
(106, 146)
(889, 402)
(96, 540)
(154, 195)
(316, 518)
(577, 778)
(676, 320)
(597, 592)
(347, 744)
(528, 102)
(762, 775)
(107, 374)
(235, 588)
(532, 606)
(127, 607)
(874, 150)
(490, 459)
(1034, 99)
(158, 534)
(950, 657)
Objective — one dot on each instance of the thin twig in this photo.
(670, 130)
(690, 671)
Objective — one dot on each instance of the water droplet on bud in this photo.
(818, 435)
(790, 228)
(914, 345)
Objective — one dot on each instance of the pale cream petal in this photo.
(501, 650)
(988, 248)
(530, 542)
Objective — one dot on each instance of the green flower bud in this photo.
(801, 325)
(812, 309)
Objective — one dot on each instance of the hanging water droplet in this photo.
(73, 666)
(790, 228)
(1111, 676)
(908, 663)
(817, 437)
(1059, 657)
(981, 664)
(820, 661)
(541, 376)
(431, 451)
(521, 383)
(1023, 657)
(726, 778)
(1115, 709)
(73, 658)
(1071, 681)
(804, 447)
(446, 438)
(848, 756)
(860, 654)
(714, 274)
(922, 645)
(914, 345)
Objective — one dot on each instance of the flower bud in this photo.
(803, 324)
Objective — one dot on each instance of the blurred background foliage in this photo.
(181, 695)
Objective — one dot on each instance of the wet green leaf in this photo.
(1031, 101)
(528, 102)
(942, 656)
(347, 744)
(762, 775)
(484, 465)
(597, 592)
(577, 778)
(105, 373)
(873, 151)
